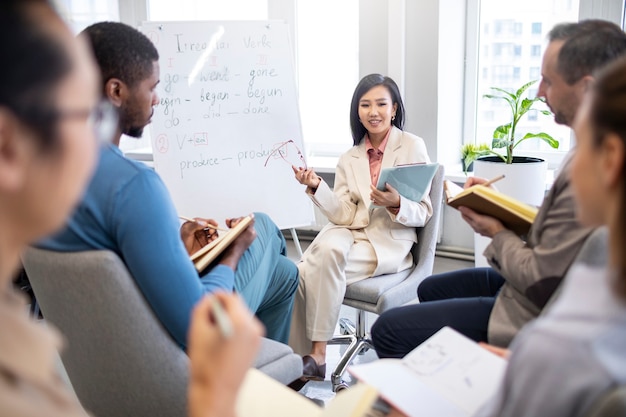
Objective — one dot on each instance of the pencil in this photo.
(491, 181)
(222, 320)
(208, 225)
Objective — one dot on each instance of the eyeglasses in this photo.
(102, 118)
(289, 152)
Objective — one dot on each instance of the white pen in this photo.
(222, 320)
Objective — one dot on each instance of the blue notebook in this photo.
(411, 180)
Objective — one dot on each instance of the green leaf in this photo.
(507, 99)
(523, 88)
(546, 112)
(527, 104)
(506, 93)
(501, 136)
(543, 136)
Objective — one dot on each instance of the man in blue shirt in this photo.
(128, 210)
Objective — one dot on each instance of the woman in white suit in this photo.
(359, 242)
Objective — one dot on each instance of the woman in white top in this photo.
(50, 120)
(360, 241)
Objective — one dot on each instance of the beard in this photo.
(133, 131)
(132, 121)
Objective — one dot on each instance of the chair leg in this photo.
(357, 342)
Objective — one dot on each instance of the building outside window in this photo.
(510, 74)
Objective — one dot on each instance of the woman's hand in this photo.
(218, 364)
(498, 351)
(195, 235)
(389, 198)
(306, 177)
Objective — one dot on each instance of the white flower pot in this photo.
(525, 180)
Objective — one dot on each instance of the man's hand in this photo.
(477, 180)
(195, 235)
(233, 253)
(484, 225)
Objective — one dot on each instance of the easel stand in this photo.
(296, 242)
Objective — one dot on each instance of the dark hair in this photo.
(121, 52)
(366, 84)
(34, 63)
(589, 45)
(608, 107)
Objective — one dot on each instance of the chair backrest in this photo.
(386, 291)
(119, 358)
(424, 251)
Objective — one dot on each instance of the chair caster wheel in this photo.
(340, 387)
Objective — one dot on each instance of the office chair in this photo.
(120, 360)
(380, 293)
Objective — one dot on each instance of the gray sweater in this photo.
(564, 362)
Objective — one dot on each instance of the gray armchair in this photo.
(380, 293)
(120, 360)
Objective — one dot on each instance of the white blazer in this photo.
(392, 236)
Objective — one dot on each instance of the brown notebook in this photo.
(203, 257)
(514, 214)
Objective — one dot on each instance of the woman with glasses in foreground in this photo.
(50, 120)
(360, 241)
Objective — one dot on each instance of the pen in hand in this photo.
(206, 225)
(491, 181)
(222, 320)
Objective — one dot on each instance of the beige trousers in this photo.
(336, 258)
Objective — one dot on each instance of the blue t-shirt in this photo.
(128, 210)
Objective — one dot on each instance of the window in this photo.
(517, 72)
(81, 13)
(534, 73)
(484, 114)
(535, 50)
(328, 71)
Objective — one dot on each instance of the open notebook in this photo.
(261, 396)
(203, 257)
(514, 214)
(448, 375)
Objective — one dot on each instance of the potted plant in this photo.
(525, 177)
(469, 153)
(504, 135)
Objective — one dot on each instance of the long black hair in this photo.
(366, 84)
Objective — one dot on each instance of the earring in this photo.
(393, 117)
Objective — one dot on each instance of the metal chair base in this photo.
(358, 342)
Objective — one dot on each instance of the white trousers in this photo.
(336, 258)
